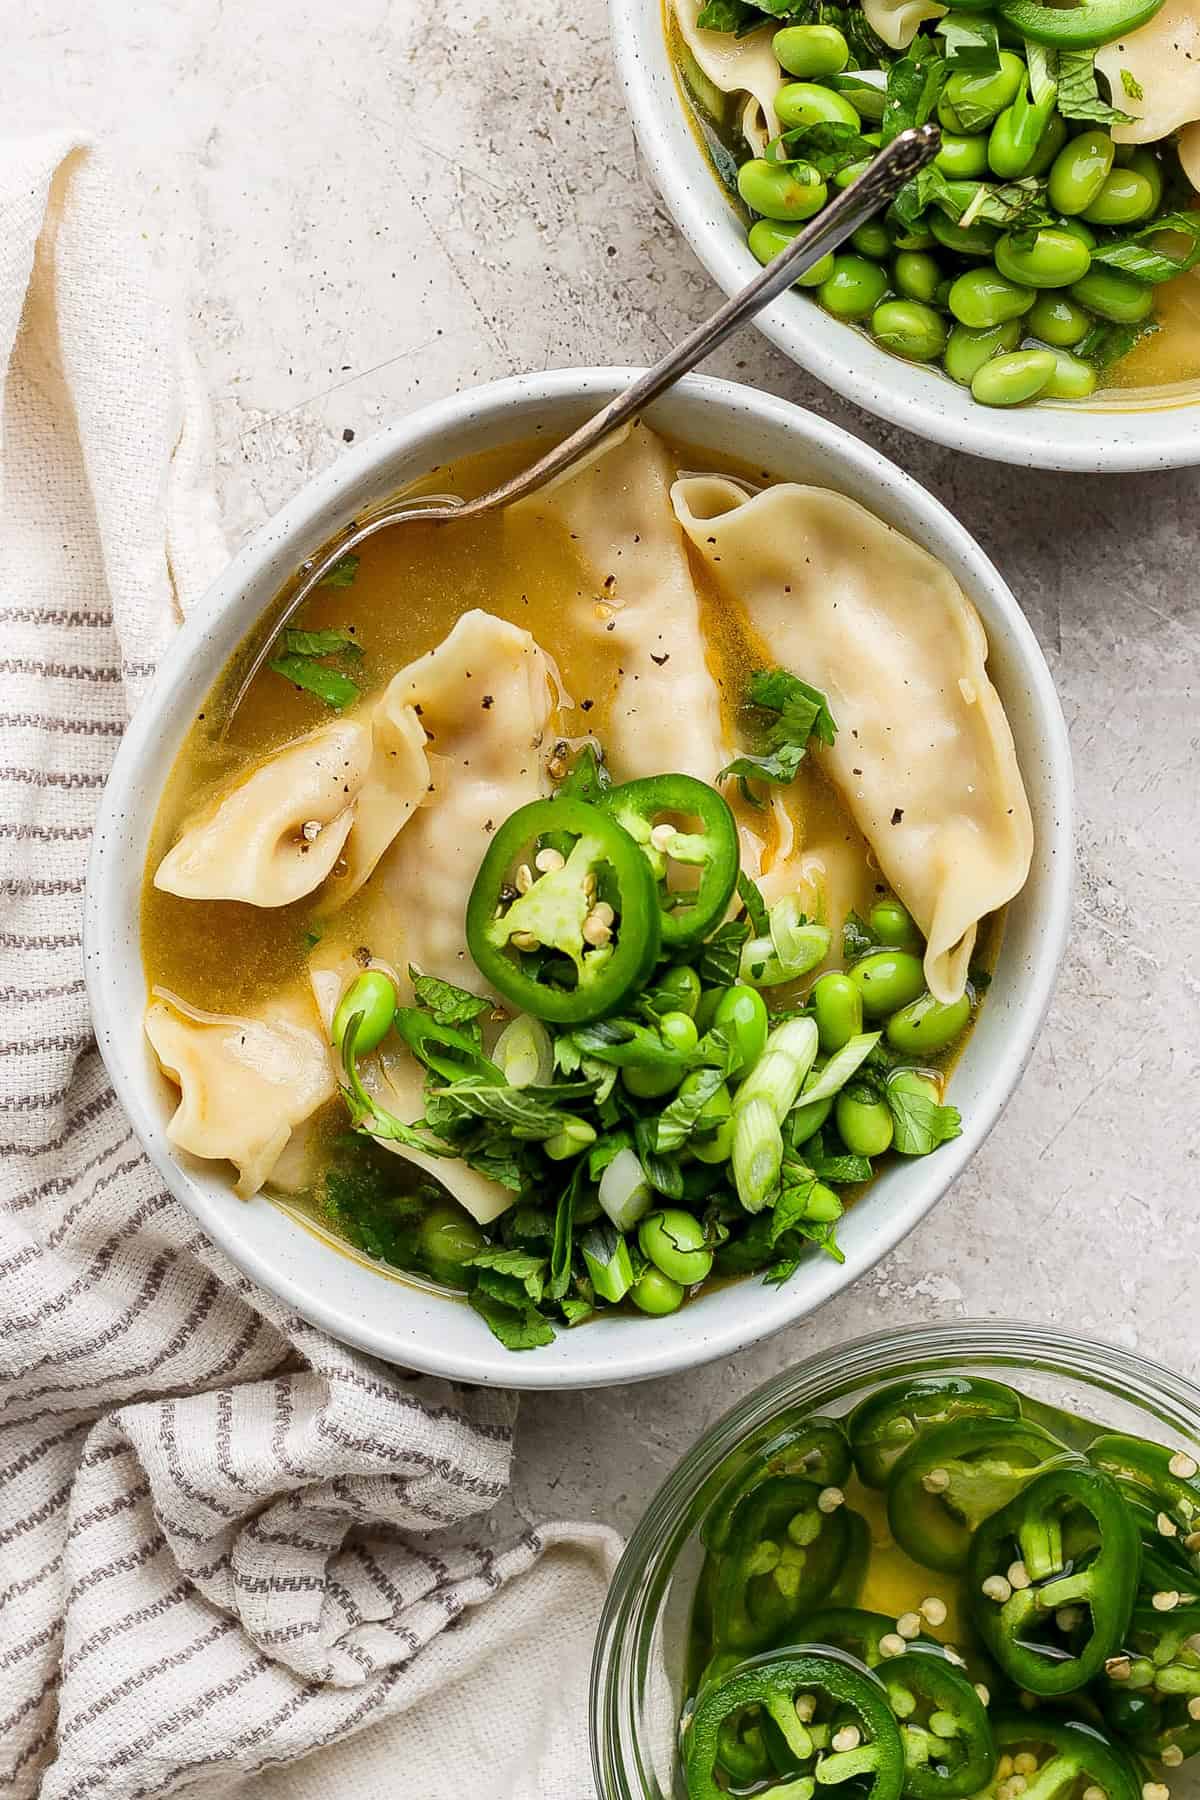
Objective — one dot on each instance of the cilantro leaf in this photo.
(330, 685)
(449, 1005)
(343, 572)
(517, 1327)
(575, 1311)
(796, 712)
(521, 1265)
(921, 1124)
(333, 642)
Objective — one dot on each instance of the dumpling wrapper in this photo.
(246, 1081)
(397, 1081)
(1163, 57)
(485, 697)
(898, 21)
(249, 843)
(738, 65)
(1189, 153)
(924, 758)
(395, 784)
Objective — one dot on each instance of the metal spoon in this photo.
(875, 188)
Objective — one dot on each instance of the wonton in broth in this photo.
(583, 900)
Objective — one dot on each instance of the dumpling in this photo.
(485, 698)
(897, 21)
(1163, 58)
(397, 1081)
(276, 835)
(737, 65)
(395, 784)
(640, 606)
(246, 1081)
(924, 757)
(1189, 153)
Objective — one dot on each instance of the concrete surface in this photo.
(375, 203)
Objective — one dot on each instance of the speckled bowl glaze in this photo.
(412, 1325)
(1091, 437)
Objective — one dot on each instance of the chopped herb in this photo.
(1133, 87)
(921, 1124)
(330, 685)
(333, 642)
(449, 1005)
(796, 714)
(971, 42)
(722, 954)
(1133, 255)
(1079, 95)
(828, 147)
(343, 572)
(751, 898)
(517, 1327)
(856, 938)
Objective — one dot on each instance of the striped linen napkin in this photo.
(225, 1541)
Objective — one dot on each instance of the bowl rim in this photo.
(828, 1374)
(906, 394)
(214, 621)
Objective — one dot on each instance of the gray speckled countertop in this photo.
(374, 212)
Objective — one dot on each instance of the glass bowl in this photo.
(640, 1646)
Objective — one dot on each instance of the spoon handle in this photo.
(875, 188)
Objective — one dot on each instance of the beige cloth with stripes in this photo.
(223, 1538)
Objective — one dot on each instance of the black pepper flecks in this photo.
(897, 814)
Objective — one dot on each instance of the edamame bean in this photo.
(887, 980)
(1057, 321)
(741, 1013)
(805, 1121)
(916, 239)
(1112, 296)
(891, 923)
(962, 158)
(910, 329)
(811, 50)
(864, 1121)
(927, 1025)
(767, 237)
(1078, 229)
(967, 349)
(372, 995)
(674, 1242)
(1053, 139)
(1079, 171)
(677, 991)
(1043, 259)
(982, 297)
(1125, 198)
(1073, 378)
(837, 1010)
(872, 240)
(916, 275)
(973, 240)
(781, 190)
(849, 175)
(1145, 163)
(678, 1031)
(1011, 380)
(447, 1240)
(716, 1124)
(805, 103)
(656, 1294)
(969, 103)
(854, 289)
(706, 1012)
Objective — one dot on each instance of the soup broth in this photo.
(239, 986)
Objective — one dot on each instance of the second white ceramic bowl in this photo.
(1097, 436)
(408, 1324)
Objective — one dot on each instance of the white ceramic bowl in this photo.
(1100, 437)
(407, 1324)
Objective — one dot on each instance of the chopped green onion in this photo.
(524, 1053)
(574, 1136)
(840, 1068)
(779, 1073)
(607, 1257)
(624, 1191)
(757, 1153)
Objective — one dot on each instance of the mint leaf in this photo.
(856, 938)
(920, 1122)
(721, 955)
(751, 898)
(971, 42)
(449, 1005)
(1105, 344)
(676, 1122)
(1079, 94)
(828, 147)
(335, 689)
(517, 1327)
(1009, 203)
(343, 572)
(914, 85)
(521, 1265)
(796, 714)
(1133, 255)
